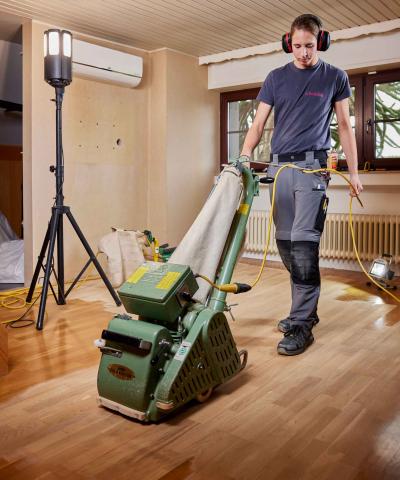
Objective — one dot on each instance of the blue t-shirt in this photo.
(303, 101)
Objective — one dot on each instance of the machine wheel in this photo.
(243, 354)
(204, 396)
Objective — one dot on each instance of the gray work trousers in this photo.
(299, 216)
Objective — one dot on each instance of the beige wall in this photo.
(184, 143)
(105, 184)
(192, 141)
(354, 54)
(159, 175)
(157, 146)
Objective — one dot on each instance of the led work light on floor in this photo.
(380, 270)
(58, 73)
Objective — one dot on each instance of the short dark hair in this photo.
(307, 21)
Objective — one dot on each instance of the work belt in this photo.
(320, 155)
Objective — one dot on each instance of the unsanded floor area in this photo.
(331, 413)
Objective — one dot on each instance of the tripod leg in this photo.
(60, 261)
(38, 265)
(52, 289)
(52, 238)
(92, 257)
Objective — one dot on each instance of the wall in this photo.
(10, 91)
(157, 147)
(354, 54)
(11, 72)
(184, 143)
(10, 127)
(193, 139)
(157, 178)
(105, 184)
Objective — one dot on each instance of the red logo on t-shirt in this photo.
(314, 94)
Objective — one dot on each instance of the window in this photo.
(374, 116)
(238, 110)
(382, 119)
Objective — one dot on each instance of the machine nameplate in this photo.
(182, 351)
(120, 371)
(168, 280)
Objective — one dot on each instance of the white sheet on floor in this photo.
(6, 232)
(12, 261)
(11, 254)
(203, 244)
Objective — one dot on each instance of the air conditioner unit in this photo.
(104, 64)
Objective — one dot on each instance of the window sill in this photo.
(384, 178)
(378, 179)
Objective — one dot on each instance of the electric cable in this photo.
(16, 322)
(235, 287)
(9, 298)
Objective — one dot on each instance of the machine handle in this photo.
(128, 340)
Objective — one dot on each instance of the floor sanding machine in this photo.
(179, 349)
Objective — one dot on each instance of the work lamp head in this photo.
(58, 57)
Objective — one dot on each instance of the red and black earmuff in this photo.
(323, 41)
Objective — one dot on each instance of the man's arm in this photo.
(256, 130)
(348, 143)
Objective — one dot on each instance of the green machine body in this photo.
(159, 292)
(178, 349)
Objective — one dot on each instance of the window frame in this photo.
(364, 109)
(369, 113)
(225, 98)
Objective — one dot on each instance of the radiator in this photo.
(375, 235)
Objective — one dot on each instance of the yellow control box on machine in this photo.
(159, 291)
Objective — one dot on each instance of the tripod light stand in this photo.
(58, 73)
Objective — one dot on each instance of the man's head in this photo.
(310, 23)
(306, 37)
(304, 34)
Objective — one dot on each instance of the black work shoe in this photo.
(295, 341)
(284, 325)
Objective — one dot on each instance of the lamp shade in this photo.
(58, 57)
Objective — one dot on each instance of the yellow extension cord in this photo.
(15, 299)
(232, 287)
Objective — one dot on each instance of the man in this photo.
(303, 94)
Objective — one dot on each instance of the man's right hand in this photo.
(245, 160)
(357, 185)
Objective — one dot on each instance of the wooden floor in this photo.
(331, 413)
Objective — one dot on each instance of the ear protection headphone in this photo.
(323, 38)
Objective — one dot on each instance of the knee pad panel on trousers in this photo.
(284, 248)
(305, 263)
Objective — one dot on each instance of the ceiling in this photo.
(197, 27)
